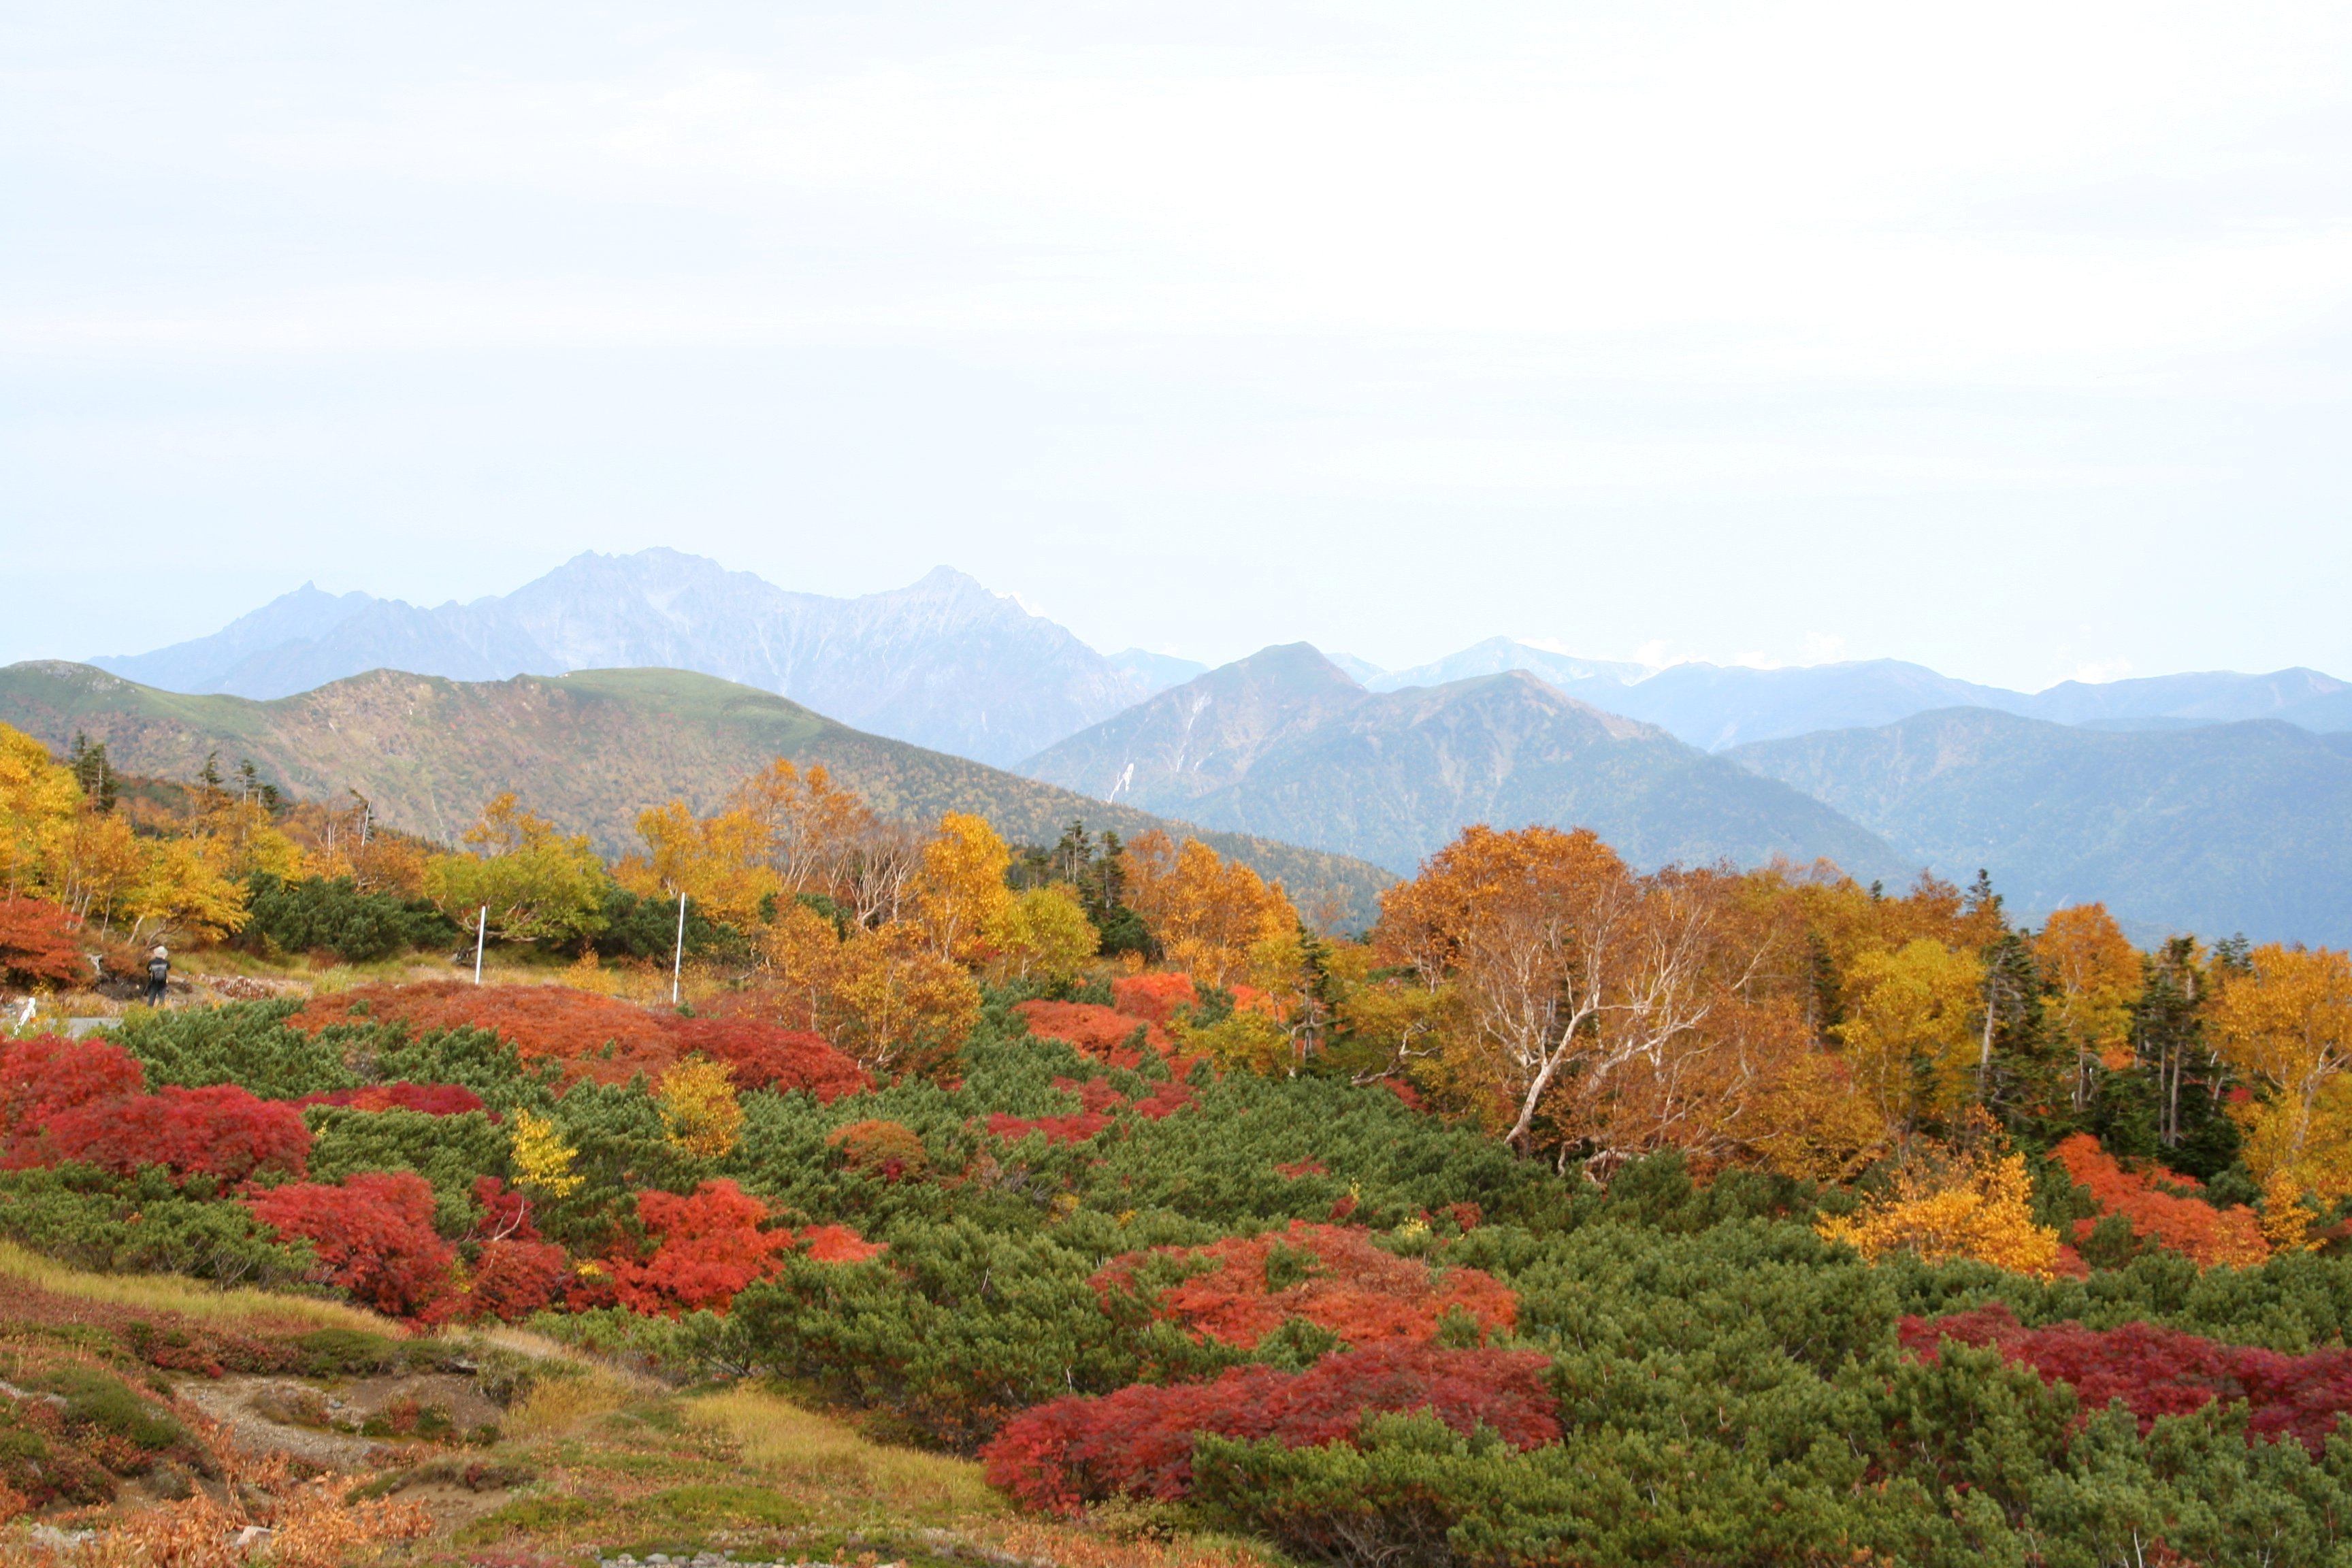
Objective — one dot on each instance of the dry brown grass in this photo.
(1069, 1546)
(189, 1298)
(830, 1463)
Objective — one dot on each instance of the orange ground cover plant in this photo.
(1331, 1275)
(2230, 1237)
(1101, 1032)
(593, 1036)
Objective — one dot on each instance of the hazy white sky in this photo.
(2010, 338)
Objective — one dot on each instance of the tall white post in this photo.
(481, 926)
(677, 959)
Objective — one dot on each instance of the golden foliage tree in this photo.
(718, 862)
(2285, 1027)
(884, 996)
(959, 898)
(1210, 915)
(1615, 1010)
(1977, 1207)
(542, 1160)
(2096, 974)
(700, 1114)
(1044, 934)
(1907, 1034)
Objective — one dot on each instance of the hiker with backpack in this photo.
(158, 970)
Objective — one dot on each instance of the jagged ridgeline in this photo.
(590, 751)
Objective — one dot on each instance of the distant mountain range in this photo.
(1287, 744)
(589, 750)
(943, 663)
(2218, 828)
(2207, 801)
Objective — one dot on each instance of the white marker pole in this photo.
(677, 959)
(481, 925)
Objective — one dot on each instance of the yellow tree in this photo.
(884, 996)
(1044, 934)
(2095, 973)
(179, 891)
(810, 825)
(719, 862)
(38, 799)
(959, 898)
(1906, 1037)
(542, 1160)
(1977, 1207)
(1208, 913)
(534, 881)
(700, 1115)
(2285, 1027)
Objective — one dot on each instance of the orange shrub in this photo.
(1331, 1276)
(1154, 998)
(883, 1149)
(1100, 1032)
(593, 1036)
(2208, 1236)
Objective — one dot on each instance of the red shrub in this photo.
(373, 1235)
(709, 1246)
(837, 1244)
(1099, 1031)
(432, 1099)
(221, 1130)
(48, 1073)
(37, 944)
(1075, 1129)
(514, 1279)
(1350, 1287)
(1164, 1101)
(765, 1056)
(1138, 1441)
(1299, 1168)
(2187, 1226)
(2160, 1372)
(593, 1036)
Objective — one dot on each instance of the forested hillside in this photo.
(1285, 743)
(589, 750)
(2217, 828)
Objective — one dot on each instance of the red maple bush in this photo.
(760, 1054)
(2179, 1223)
(1138, 1442)
(46, 1074)
(1100, 1032)
(432, 1099)
(593, 1036)
(516, 1271)
(1075, 1128)
(1330, 1274)
(220, 1131)
(1154, 998)
(711, 1244)
(37, 946)
(372, 1234)
(2160, 1372)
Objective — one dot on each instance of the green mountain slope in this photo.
(2227, 827)
(1285, 743)
(589, 750)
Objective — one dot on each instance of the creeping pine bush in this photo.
(318, 914)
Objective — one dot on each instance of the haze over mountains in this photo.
(1288, 744)
(2214, 801)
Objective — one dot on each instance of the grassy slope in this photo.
(2228, 828)
(591, 749)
